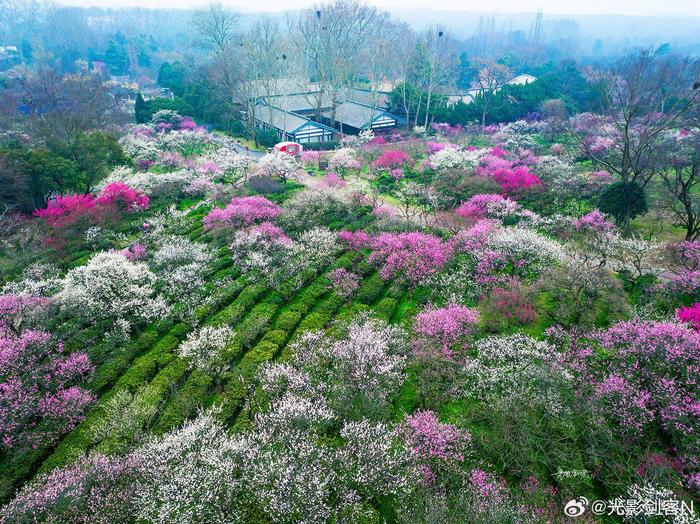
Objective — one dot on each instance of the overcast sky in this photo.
(628, 7)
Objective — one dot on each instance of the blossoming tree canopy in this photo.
(40, 395)
(243, 211)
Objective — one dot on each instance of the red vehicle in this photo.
(291, 148)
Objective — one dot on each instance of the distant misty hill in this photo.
(682, 31)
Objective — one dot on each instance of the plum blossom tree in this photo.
(393, 159)
(411, 256)
(690, 315)
(40, 396)
(437, 445)
(645, 96)
(203, 347)
(447, 326)
(280, 165)
(120, 194)
(344, 282)
(488, 206)
(112, 288)
(344, 162)
(645, 377)
(450, 157)
(243, 212)
(95, 488)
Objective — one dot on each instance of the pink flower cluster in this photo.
(354, 239)
(393, 159)
(209, 168)
(513, 176)
(310, 157)
(486, 487)
(487, 206)
(448, 325)
(119, 194)
(434, 442)
(515, 179)
(646, 372)
(434, 147)
(593, 221)
(242, 212)
(171, 159)
(446, 129)
(39, 396)
(95, 488)
(67, 210)
(690, 315)
(135, 252)
(333, 180)
(413, 256)
(508, 303)
(270, 232)
(344, 282)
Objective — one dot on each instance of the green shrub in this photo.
(370, 290)
(623, 201)
(185, 403)
(287, 320)
(266, 137)
(276, 336)
(385, 309)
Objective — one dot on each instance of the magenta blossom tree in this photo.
(446, 326)
(120, 194)
(437, 446)
(393, 159)
(643, 375)
(243, 212)
(411, 256)
(690, 315)
(40, 396)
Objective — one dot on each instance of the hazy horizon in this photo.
(650, 8)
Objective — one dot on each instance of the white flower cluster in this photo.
(182, 141)
(284, 262)
(453, 158)
(139, 147)
(278, 164)
(38, 280)
(190, 475)
(635, 254)
(366, 366)
(514, 367)
(111, 287)
(182, 265)
(149, 182)
(528, 251)
(557, 174)
(234, 165)
(282, 469)
(203, 347)
(306, 209)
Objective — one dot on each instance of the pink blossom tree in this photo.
(344, 162)
(242, 212)
(121, 195)
(393, 159)
(642, 375)
(436, 445)
(411, 256)
(690, 315)
(447, 326)
(40, 398)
